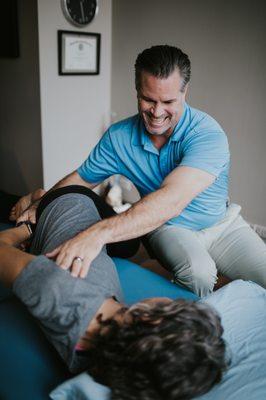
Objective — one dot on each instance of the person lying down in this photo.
(156, 349)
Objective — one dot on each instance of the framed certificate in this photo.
(78, 53)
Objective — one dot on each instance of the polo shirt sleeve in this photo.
(208, 151)
(101, 162)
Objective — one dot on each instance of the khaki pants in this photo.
(230, 247)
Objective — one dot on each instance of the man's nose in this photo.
(157, 110)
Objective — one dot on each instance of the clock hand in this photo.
(82, 11)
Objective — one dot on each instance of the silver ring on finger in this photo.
(79, 259)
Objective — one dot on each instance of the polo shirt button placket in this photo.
(163, 161)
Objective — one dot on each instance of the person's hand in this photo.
(77, 254)
(18, 209)
(21, 210)
(29, 214)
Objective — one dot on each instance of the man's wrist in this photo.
(101, 232)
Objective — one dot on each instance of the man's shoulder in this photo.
(200, 121)
(119, 136)
(125, 126)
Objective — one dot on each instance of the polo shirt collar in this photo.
(140, 138)
(179, 128)
(146, 141)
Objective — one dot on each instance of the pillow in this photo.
(242, 306)
(82, 387)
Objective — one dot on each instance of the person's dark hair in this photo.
(165, 351)
(161, 61)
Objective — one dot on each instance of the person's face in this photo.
(161, 102)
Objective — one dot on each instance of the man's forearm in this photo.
(178, 189)
(144, 216)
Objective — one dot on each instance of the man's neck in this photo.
(158, 141)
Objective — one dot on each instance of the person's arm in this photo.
(25, 208)
(13, 260)
(176, 192)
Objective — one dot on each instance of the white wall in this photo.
(20, 125)
(74, 109)
(226, 43)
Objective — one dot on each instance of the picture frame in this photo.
(78, 53)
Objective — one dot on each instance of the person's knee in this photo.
(198, 273)
(204, 278)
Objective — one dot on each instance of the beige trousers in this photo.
(230, 247)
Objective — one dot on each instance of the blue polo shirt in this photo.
(198, 141)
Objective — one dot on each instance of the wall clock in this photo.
(79, 12)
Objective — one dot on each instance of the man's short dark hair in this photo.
(161, 61)
(164, 351)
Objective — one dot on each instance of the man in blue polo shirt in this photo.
(178, 158)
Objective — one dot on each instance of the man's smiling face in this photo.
(161, 102)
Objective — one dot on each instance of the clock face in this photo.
(80, 12)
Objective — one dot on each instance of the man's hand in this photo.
(25, 208)
(77, 254)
